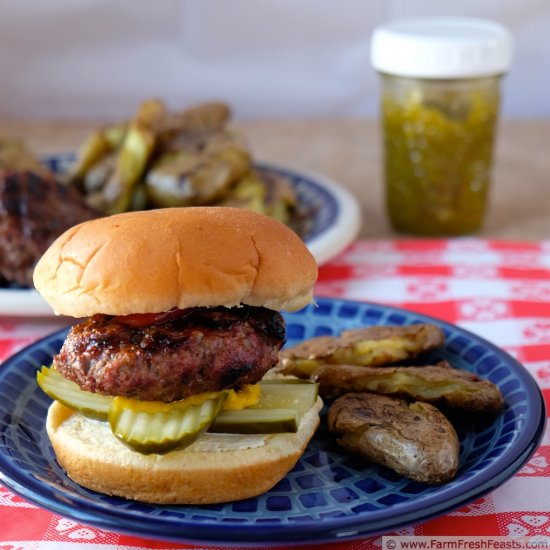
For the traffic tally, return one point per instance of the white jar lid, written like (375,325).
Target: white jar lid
(441,47)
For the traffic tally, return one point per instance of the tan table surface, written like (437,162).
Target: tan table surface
(348,151)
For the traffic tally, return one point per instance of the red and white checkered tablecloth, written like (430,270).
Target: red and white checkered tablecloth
(498,290)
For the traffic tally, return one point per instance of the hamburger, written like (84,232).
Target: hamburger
(164,392)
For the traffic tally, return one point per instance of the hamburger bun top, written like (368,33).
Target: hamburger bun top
(156,260)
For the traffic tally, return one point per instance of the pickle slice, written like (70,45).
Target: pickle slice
(256,421)
(69,394)
(161,431)
(280,407)
(287,394)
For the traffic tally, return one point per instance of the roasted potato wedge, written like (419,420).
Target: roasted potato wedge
(413,439)
(188,179)
(206,117)
(370,346)
(438,384)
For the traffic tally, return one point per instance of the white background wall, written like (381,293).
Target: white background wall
(97,59)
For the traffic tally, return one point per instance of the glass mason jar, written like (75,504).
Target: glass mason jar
(439,108)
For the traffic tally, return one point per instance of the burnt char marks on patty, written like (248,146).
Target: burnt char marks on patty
(206,349)
(34,211)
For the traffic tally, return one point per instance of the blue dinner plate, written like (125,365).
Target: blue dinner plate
(329,495)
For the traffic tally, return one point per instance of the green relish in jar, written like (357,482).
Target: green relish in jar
(440,104)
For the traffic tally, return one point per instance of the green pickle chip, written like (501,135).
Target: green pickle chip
(69,394)
(163,431)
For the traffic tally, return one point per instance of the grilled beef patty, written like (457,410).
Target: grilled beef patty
(203,349)
(34,210)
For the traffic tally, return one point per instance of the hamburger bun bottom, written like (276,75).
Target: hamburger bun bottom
(94,458)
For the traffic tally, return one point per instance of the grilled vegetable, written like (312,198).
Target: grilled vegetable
(186,179)
(95,149)
(135,152)
(415,440)
(262,192)
(206,117)
(371,346)
(185,158)
(248,192)
(438,384)
(281,198)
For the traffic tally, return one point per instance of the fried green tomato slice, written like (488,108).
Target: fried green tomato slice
(370,346)
(413,439)
(439,384)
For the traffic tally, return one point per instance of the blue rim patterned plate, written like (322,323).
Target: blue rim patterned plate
(335,222)
(329,495)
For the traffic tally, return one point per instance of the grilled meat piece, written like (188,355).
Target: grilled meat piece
(34,210)
(204,349)
(370,346)
(413,439)
(439,384)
